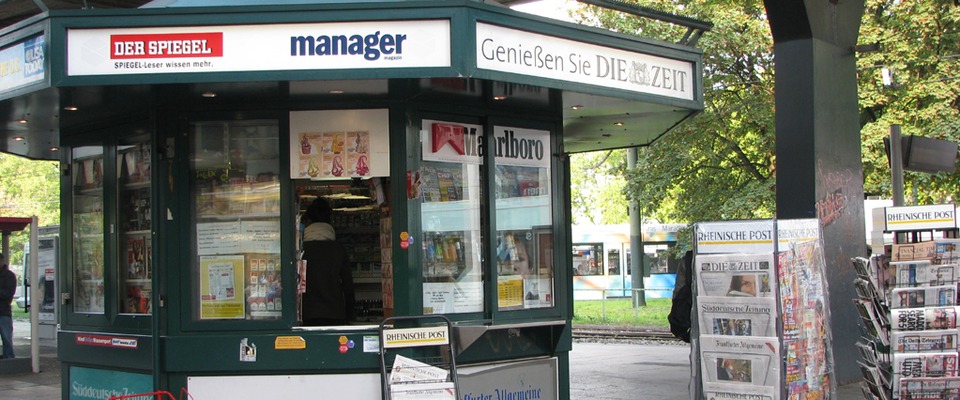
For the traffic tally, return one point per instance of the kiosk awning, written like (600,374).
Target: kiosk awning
(616,90)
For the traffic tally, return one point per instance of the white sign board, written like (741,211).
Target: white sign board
(22,64)
(525,53)
(266,47)
(735,237)
(918,218)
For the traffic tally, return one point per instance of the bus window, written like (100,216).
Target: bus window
(613,262)
(587,259)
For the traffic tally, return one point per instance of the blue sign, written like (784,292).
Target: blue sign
(22,63)
(100,384)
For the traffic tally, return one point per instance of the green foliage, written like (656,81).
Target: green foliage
(719,165)
(28,188)
(597,183)
(920,45)
(621,312)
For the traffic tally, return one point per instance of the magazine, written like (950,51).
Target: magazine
(929,388)
(923,365)
(741,360)
(737,316)
(946,251)
(874,379)
(910,297)
(920,319)
(735,275)
(919,341)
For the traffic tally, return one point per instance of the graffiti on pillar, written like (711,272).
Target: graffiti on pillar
(831,207)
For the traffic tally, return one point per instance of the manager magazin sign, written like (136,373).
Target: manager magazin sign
(267,47)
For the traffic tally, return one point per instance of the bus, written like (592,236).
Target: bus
(601,261)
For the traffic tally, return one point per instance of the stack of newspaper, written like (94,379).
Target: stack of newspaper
(414,379)
(737,311)
(914,293)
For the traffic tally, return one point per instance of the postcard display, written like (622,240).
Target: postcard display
(762,326)
(907,303)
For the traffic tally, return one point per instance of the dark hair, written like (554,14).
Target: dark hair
(319,211)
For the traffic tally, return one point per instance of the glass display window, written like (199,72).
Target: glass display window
(524,218)
(235,192)
(448,185)
(88,230)
(135,226)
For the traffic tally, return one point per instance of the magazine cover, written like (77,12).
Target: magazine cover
(745,316)
(921,341)
(741,360)
(728,391)
(944,295)
(735,275)
(930,388)
(924,365)
(921,319)
(946,251)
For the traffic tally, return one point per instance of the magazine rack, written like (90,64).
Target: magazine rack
(907,300)
(761,326)
(417,358)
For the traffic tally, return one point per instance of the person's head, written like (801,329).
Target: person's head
(319,211)
(745,284)
(3,261)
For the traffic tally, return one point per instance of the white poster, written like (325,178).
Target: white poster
(339,144)
(264,47)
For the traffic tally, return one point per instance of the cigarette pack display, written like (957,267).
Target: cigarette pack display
(735,275)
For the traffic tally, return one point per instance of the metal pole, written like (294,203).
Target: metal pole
(34,295)
(896,165)
(636,240)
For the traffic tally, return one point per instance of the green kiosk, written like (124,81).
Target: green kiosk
(193,135)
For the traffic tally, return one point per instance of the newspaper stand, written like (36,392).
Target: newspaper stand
(426,350)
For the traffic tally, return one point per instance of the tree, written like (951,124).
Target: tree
(720,164)
(919,49)
(29,188)
(597,182)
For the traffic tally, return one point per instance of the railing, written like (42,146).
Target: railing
(633,293)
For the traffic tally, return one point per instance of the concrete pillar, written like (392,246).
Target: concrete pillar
(819,170)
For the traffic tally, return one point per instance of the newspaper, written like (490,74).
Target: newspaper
(727,391)
(910,297)
(923,273)
(874,379)
(424,391)
(921,341)
(923,365)
(735,275)
(741,360)
(921,319)
(913,251)
(929,388)
(407,370)
(744,316)
(946,251)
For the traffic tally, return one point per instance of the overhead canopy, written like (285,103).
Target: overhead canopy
(80,66)
(14,224)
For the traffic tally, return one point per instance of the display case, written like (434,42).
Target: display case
(135,226)
(236,209)
(88,223)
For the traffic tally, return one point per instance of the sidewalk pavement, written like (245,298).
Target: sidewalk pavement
(601,371)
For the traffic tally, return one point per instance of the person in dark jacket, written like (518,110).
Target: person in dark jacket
(329,299)
(679,316)
(8,288)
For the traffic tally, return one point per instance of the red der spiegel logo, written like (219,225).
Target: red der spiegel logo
(170,45)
